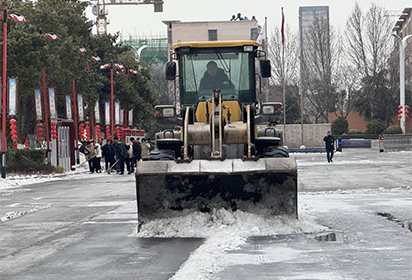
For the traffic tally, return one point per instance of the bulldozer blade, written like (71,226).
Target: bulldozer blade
(167,189)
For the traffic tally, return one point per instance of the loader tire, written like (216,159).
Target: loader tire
(271,152)
(162,155)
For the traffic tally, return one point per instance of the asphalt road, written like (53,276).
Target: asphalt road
(82,229)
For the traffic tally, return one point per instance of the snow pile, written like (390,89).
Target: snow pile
(12,182)
(223,231)
(380,190)
(16,214)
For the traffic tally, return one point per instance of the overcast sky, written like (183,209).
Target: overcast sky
(141,19)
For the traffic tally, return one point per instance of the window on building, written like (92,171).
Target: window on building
(213,35)
(254,33)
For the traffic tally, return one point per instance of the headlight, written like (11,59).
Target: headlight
(268,110)
(272,108)
(248,48)
(165,111)
(168,112)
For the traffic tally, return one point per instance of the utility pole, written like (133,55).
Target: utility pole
(402,42)
(99,10)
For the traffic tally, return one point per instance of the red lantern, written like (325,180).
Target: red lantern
(87,128)
(39,132)
(54,130)
(81,131)
(107,132)
(98,132)
(13,132)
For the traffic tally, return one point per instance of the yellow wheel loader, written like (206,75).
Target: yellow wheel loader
(227,151)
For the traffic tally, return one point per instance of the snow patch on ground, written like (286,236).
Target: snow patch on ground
(17,181)
(380,190)
(16,214)
(223,231)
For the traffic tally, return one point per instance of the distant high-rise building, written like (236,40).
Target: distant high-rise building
(313,26)
(315,61)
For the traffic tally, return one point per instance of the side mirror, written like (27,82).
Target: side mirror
(265,69)
(170,71)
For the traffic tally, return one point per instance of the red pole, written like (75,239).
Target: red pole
(3,135)
(75,115)
(112,101)
(93,134)
(77,156)
(46,115)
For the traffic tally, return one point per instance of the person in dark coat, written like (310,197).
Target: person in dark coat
(108,152)
(215,78)
(121,155)
(137,151)
(329,145)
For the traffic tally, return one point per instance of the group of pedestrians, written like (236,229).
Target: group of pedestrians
(117,154)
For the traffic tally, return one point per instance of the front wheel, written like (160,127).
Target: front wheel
(272,152)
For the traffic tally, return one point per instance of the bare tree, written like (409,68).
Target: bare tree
(290,72)
(316,69)
(291,57)
(160,84)
(343,78)
(369,45)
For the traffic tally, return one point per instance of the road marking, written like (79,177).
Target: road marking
(14,205)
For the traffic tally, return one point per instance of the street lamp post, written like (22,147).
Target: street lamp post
(111,100)
(16,18)
(46,118)
(402,42)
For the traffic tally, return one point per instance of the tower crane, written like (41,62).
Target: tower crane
(99,10)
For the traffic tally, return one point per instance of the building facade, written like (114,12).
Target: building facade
(178,31)
(311,19)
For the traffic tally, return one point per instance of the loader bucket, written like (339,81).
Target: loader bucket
(167,189)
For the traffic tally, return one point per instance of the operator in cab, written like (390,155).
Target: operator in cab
(215,78)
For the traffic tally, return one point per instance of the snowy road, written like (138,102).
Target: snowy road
(354,218)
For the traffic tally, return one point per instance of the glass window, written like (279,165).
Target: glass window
(254,34)
(232,73)
(213,35)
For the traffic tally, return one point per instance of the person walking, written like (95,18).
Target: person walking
(145,150)
(329,145)
(121,155)
(108,152)
(137,151)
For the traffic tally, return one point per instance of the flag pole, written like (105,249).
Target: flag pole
(3,104)
(283,76)
(265,49)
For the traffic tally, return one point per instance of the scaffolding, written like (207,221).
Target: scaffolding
(153,47)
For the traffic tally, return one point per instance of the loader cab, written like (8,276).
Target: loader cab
(235,62)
